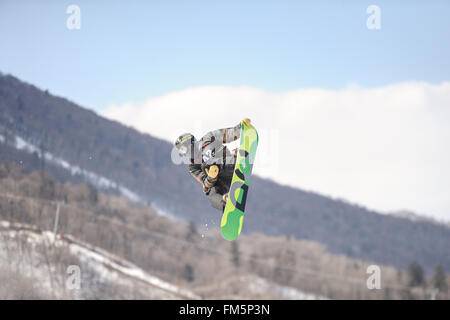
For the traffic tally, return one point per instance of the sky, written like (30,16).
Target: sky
(362,112)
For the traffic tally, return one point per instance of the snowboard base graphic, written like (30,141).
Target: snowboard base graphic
(233,214)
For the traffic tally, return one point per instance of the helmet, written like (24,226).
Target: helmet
(184,142)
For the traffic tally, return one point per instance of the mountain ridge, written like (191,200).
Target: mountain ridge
(141,163)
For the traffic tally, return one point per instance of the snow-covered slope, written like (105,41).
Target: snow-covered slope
(95,179)
(259,285)
(44,260)
(251,286)
(37,255)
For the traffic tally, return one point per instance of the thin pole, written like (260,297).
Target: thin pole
(55,227)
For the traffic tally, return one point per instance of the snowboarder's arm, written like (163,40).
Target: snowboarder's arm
(226,135)
(207,181)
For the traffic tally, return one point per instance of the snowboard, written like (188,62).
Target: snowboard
(233,214)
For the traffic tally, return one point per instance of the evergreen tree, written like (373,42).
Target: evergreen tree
(235,255)
(93,194)
(439,279)
(188,273)
(416,275)
(192,231)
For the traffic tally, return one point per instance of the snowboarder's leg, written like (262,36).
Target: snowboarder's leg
(216,199)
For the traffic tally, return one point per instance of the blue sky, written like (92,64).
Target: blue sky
(132,50)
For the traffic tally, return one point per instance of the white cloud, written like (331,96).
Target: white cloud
(386,148)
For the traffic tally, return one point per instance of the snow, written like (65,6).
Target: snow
(97,180)
(107,266)
(127,268)
(163,212)
(110,268)
(260,285)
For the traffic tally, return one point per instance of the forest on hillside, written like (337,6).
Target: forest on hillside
(196,257)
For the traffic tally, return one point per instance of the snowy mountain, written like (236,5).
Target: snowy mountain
(41,264)
(74,144)
(104,275)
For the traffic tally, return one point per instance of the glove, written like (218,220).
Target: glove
(246,121)
(212,171)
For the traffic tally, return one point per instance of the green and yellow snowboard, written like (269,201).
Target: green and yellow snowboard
(233,215)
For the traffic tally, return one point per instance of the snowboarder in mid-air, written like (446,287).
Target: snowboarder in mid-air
(210,162)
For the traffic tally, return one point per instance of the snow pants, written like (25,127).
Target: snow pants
(216,199)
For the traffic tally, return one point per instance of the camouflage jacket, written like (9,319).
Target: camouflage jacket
(208,145)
